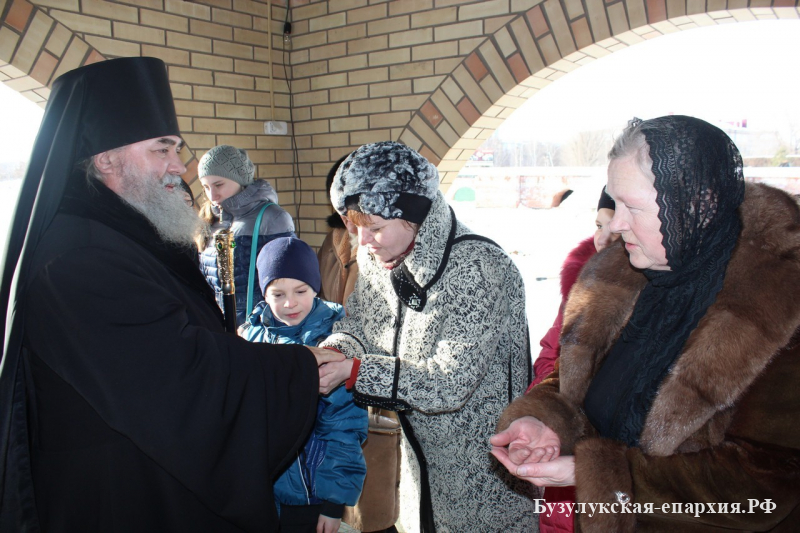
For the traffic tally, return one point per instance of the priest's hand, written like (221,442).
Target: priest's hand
(334,374)
(326,524)
(526,441)
(324,355)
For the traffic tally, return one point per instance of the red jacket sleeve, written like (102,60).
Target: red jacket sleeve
(551,349)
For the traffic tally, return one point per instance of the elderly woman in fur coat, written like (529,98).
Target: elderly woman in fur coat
(561,522)
(436,331)
(676,404)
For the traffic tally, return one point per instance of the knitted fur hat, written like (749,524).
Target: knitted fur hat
(387,179)
(227,162)
(288,257)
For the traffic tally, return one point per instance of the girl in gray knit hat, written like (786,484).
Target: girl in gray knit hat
(436,330)
(236,200)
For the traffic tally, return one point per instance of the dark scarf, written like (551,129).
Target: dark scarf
(699,185)
(97,202)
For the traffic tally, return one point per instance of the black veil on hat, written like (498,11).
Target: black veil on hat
(91,109)
(699,187)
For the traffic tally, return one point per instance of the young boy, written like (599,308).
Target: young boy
(329,471)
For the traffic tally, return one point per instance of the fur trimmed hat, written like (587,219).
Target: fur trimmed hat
(387,179)
(227,162)
(288,257)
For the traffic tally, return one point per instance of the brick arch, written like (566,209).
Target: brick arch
(35,49)
(543,44)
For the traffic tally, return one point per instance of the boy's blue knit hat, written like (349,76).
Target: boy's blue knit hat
(288,257)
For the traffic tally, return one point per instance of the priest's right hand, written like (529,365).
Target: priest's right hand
(324,355)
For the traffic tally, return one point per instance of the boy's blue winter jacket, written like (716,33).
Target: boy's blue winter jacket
(330,469)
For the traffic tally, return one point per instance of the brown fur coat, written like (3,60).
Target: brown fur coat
(725,425)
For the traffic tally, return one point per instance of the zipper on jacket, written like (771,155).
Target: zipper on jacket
(303,480)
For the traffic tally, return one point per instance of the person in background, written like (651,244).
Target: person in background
(237,201)
(675,401)
(328,473)
(577,258)
(124,405)
(337,254)
(436,330)
(187,194)
(379,506)
(561,521)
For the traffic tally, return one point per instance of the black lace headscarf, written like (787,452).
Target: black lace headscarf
(699,185)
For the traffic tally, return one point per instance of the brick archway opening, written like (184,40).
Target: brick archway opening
(526,56)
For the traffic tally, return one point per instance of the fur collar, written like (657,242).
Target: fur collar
(755,314)
(574,263)
(344,245)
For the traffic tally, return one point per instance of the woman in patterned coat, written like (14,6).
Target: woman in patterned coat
(436,331)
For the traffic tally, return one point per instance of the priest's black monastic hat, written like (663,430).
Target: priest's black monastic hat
(124,101)
(91,109)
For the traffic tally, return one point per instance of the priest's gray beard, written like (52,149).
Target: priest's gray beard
(166,209)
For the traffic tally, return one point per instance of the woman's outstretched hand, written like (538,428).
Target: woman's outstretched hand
(530,450)
(559,472)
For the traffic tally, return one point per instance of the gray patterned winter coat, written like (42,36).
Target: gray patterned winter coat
(443,339)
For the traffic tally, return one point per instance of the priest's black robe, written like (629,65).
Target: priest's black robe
(144,415)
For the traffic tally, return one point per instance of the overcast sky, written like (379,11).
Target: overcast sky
(21,119)
(747,70)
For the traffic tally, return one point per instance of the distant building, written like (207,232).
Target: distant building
(545,187)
